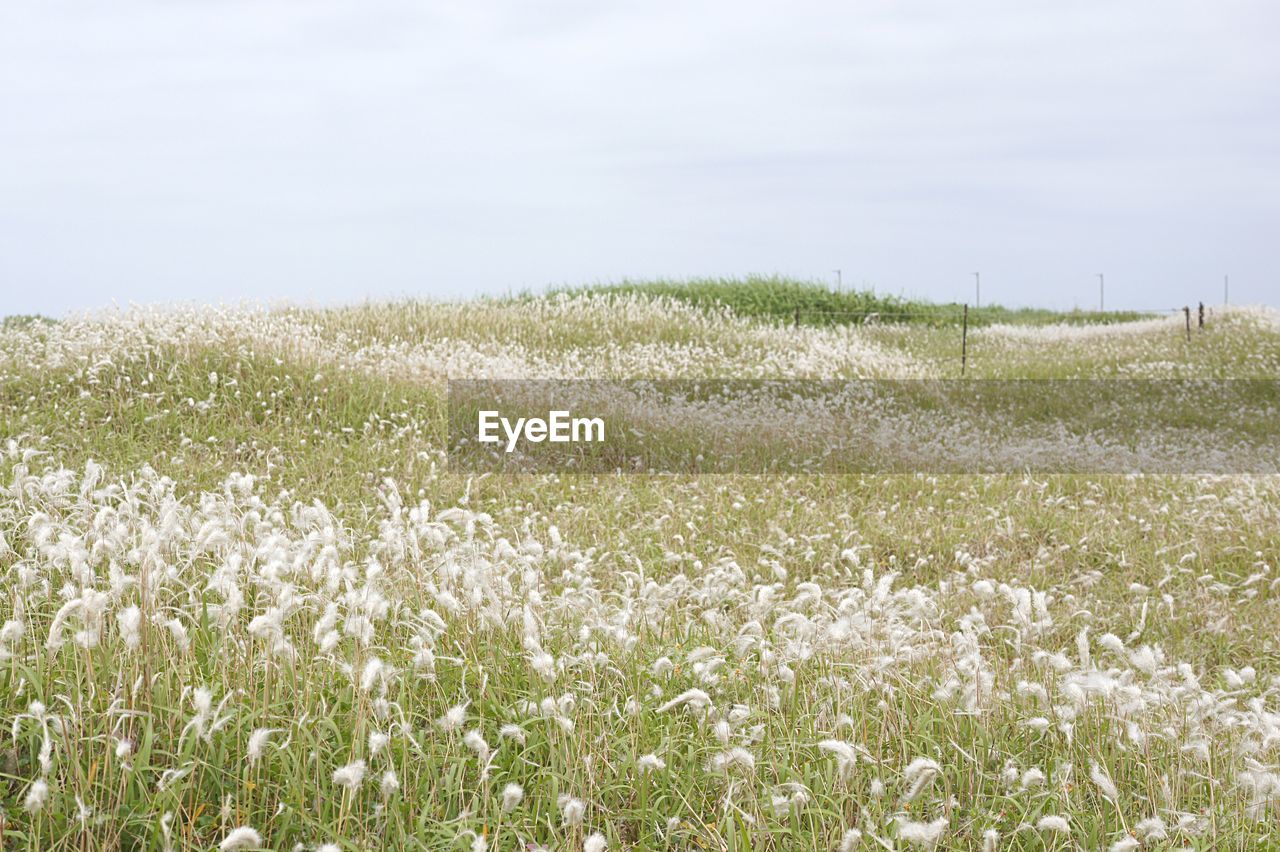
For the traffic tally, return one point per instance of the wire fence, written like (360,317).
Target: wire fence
(958,312)
(960,316)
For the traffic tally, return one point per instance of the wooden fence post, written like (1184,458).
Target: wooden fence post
(797,318)
(964,341)
(1202,316)
(1187,311)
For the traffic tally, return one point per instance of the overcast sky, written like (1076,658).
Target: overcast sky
(215,150)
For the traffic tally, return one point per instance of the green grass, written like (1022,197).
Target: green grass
(779,299)
(325,432)
(613,573)
(16,321)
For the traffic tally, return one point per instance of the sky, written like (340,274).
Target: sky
(328,152)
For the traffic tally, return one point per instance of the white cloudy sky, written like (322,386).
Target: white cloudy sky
(310,149)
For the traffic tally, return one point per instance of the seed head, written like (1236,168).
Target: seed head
(243,837)
(351,775)
(512,795)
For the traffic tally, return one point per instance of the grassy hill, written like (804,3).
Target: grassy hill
(774,297)
(247,597)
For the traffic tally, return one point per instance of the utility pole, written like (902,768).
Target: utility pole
(977,290)
(1226,289)
(1102,293)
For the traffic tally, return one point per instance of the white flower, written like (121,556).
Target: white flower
(1054,823)
(258,741)
(130,622)
(37,795)
(919,774)
(651,763)
(512,732)
(454,719)
(375,672)
(696,699)
(1112,643)
(572,809)
(595,843)
(725,760)
(377,741)
(390,783)
(202,701)
(476,742)
(243,837)
(845,754)
(1151,828)
(1145,659)
(512,795)
(350,776)
(544,664)
(849,842)
(920,766)
(923,834)
(1082,648)
(1105,785)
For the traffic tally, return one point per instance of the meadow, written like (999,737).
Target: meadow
(802,302)
(246,602)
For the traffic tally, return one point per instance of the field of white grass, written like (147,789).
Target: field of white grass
(245,602)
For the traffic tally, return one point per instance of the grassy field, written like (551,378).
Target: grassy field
(245,602)
(779,299)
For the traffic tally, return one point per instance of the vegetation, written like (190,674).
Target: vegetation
(779,299)
(245,602)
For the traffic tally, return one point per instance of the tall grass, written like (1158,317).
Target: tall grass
(234,565)
(778,298)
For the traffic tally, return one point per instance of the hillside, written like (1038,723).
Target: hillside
(812,303)
(244,587)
